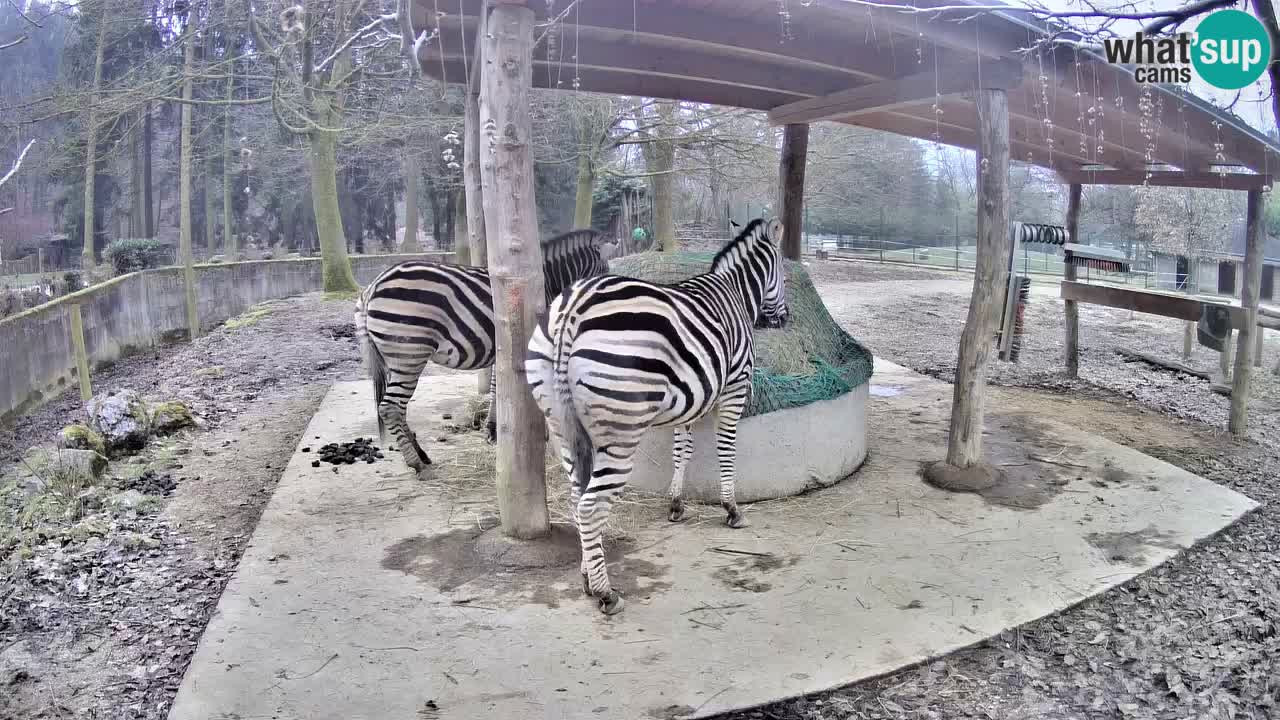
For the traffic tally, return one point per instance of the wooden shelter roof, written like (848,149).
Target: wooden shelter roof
(907,73)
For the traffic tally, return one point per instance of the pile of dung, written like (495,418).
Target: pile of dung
(810,359)
(348,453)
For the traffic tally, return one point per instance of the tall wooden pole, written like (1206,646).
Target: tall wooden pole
(471,169)
(964,446)
(795,148)
(1069,273)
(1249,300)
(185,160)
(515,265)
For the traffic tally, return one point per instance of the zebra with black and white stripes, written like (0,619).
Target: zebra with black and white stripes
(420,311)
(617,356)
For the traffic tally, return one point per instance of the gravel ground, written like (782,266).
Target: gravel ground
(1197,637)
(102,624)
(105,628)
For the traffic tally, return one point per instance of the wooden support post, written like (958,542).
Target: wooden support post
(1224,360)
(515,263)
(471,172)
(1069,274)
(81,353)
(795,148)
(1254,237)
(1258,347)
(964,446)
(40,262)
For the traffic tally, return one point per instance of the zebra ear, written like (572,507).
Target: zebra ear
(735,224)
(775,230)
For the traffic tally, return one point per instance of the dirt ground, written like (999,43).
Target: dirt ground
(1197,637)
(105,628)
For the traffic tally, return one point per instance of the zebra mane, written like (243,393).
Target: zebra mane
(570,243)
(746,241)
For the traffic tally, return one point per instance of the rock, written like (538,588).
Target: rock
(129,500)
(18,663)
(64,467)
(172,416)
(122,420)
(81,437)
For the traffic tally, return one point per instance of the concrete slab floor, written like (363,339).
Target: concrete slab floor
(359,598)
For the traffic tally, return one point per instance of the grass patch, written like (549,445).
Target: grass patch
(251,317)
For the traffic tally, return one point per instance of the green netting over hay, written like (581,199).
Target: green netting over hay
(811,359)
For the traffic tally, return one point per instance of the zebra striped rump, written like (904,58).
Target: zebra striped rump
(419,312)
(616,356)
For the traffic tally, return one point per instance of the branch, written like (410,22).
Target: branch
(19,41)
(357,35)
(245,101)
(1161,18)
(23,14)
(16,163)
(1267,13)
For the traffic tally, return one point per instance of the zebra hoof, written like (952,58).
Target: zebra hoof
(491,434)
(611,603)
(736,520)
(678,513)
(586,585)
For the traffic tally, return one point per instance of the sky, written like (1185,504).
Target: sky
(1254,106)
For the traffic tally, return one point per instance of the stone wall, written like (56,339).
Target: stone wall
(143,309)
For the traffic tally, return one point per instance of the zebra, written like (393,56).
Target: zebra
(419,311)
(616,356)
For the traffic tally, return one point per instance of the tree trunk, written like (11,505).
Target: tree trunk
(410,242)
(1069,273)
(1255,239)
(964,446)
(461,246)
(336,266)
(436,233)
(136,207)
(586,183)
(228,224)
(91,148)
(663,153)
(1188,339)
(515,266)
(210,220)
(795,148)
(149,210)
(185,161)
(451,216)
(474,195)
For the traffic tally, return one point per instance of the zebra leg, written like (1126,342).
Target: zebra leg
(393,410)
(730,412)
(681,450)
(608,476)
(491,423)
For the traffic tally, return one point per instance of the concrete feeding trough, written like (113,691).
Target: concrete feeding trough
(785,452)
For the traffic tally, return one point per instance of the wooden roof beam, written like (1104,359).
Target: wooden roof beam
(672,24)
(1167,178)
(924,87)
(654,56)
(621,81)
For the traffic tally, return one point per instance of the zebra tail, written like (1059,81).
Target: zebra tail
(571,429)
(374,363)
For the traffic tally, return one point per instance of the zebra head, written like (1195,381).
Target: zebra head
(755,257)
(773,310)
